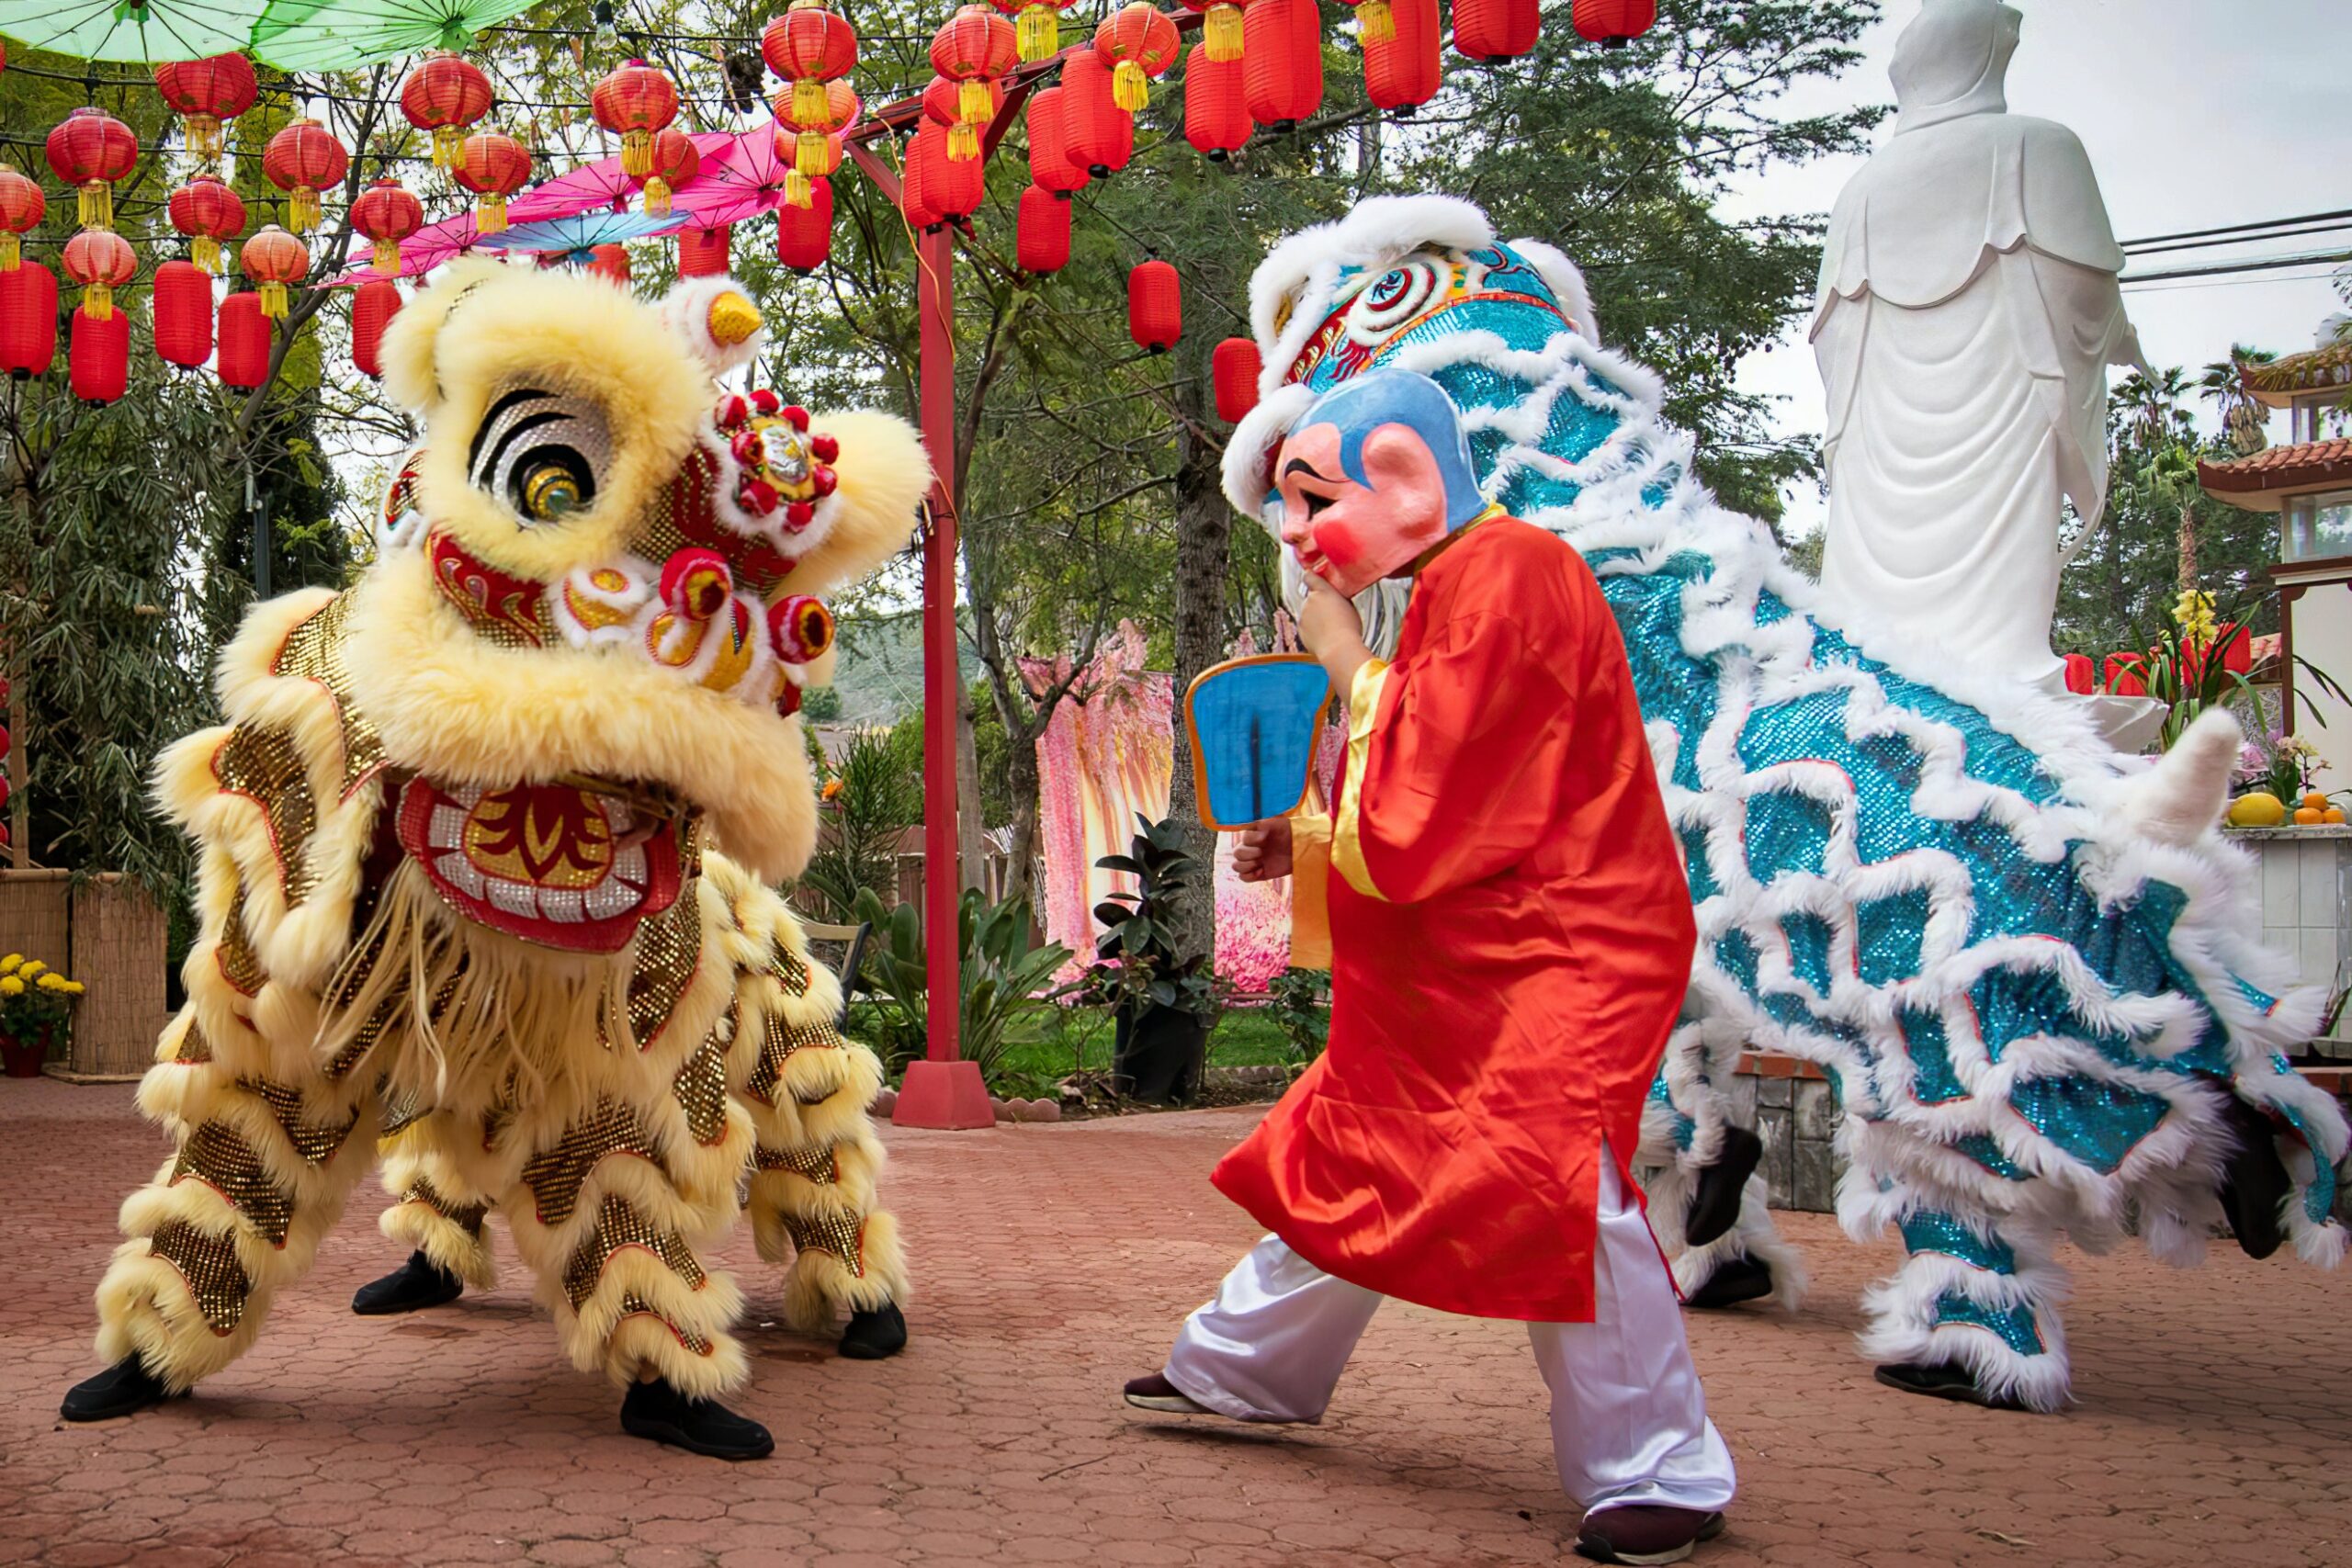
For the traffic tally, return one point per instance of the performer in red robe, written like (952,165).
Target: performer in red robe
(1511,937)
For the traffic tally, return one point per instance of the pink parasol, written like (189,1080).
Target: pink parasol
(585,189)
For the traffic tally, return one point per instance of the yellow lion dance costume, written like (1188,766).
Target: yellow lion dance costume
(486,847)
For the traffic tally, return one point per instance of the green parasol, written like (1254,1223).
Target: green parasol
(150,33)
(338,35)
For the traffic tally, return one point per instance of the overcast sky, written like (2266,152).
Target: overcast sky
(2196,113)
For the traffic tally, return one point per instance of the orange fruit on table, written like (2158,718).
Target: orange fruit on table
(2308,816)
(2333,816)
(2316,800)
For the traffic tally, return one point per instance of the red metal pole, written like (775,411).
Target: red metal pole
(936,290)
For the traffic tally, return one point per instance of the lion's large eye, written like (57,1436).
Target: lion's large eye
(1393,298)
(540,452)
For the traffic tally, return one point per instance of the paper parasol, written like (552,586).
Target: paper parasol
(337,35)
(577,236)
(159,32)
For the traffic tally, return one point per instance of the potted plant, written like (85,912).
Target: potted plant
(35,1002)
(1007,981)
(1164,1002)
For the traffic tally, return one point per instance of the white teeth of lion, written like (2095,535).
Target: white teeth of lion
(619,816)
(447,826)
(565,905)
(629,866)
(608,899)
(461,874)
(514,897)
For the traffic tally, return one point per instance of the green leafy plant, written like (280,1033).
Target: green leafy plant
(1302,1009)
(1007,982)
(1138,967)
(866,801)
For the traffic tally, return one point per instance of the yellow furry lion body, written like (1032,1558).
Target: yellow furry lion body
(485,886)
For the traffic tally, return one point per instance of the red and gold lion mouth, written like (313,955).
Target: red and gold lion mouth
(575,866)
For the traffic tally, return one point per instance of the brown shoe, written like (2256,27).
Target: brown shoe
(1644,1533)
(1156,1392)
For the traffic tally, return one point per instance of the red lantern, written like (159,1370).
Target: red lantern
(1403,69)
(1282,64)
(243,359)
(1036,26)
(1137,42)
(945,101)
(28,320)
(1216,111)
(611,264)
(632,102)
(90,150)
(675,161)
(22,206)
(303,160)
(954,186)
(207,211)
(918,202)
(1043,233)
(1100,134)
(387,214)
(702,253)
(1496,30)
(1613,24)
(494,166)
(373,305)
(816,147)
(444,96)
(1234,368)
(1050,164)
(973,49)
(1220,32)
(1155,306)
(204,93)
(808,46)
(183,311)
(804,235)
(273,259)
(101,262)
(100,356)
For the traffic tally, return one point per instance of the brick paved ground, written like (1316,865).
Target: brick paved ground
(2215,1419)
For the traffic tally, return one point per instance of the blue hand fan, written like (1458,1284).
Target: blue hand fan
(1253,724)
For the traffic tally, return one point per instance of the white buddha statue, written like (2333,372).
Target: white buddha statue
(1967,313)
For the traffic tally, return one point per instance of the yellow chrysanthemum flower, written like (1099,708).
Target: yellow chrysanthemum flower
(50,982)
(74,987)
(11,987)
(33,970)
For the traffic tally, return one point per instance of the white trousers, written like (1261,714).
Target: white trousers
(1629,1420)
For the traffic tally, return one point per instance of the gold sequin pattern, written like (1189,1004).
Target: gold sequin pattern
(634,1306)
(701,1085)
(217,1157)
(194,1049)
(669,951)
(819,1163)
(836,1233)
(349,981)
(619,1226)
(262,765)
(316,1142)
(467,1217)
(240,966)
(314,651)
(208,1264)
(555,1174)
(791,973)
(782,1041)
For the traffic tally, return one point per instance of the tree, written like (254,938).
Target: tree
(2223,384)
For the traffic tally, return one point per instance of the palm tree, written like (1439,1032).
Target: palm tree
(2224,385)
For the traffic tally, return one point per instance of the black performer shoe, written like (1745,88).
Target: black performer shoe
(2254,1183)
(1644,1533)
(874,1335)
(1941,1382)
(661,1413)
(1714,1206)
(124,1389)
(1156,1392)
(416,1284)
(1740,1279)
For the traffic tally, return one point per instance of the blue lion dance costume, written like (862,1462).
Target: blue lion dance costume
(2027,966)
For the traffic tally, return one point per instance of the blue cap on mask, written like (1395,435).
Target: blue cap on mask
(1364,403)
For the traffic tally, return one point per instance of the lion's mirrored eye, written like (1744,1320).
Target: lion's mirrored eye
(1395,299)
(540,452)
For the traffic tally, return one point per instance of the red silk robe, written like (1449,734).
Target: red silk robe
(1511,936)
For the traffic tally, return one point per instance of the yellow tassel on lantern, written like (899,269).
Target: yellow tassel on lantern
(490,214)
(12,251)
(1221,33)
(303,209)
(273,300)
(448,143)
(963,141)
(808,151)
(800,190)
(388,258)
(974,101)
(204,136)
(1038,31)
(1129,89)
(636,153)
(657,198)
(97,300)
(809,104)
(205,252)
(96,205)
(1374,24)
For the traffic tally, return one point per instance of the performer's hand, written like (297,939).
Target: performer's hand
(1333,632)
(1264,854)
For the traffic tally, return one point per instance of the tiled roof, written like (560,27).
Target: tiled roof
(2280,468)
(2312,370)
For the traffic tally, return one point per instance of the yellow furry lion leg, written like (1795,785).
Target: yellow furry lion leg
(440,1196)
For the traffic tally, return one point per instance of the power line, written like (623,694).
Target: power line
(2243,239)
(2265,265)
(2234,229)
